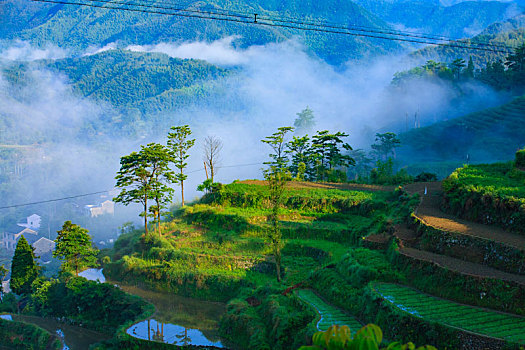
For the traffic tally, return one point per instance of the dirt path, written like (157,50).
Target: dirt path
(461,266)
(429,211)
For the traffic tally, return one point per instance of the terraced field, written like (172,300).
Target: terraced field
(330,315)
(472,134)
(476,320)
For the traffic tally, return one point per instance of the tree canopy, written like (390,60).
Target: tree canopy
(24,269)
(73,245)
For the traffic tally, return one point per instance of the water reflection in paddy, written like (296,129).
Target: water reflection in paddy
(178,320)
(170,333)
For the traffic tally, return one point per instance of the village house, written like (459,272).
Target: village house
(11,236)
(44,248)
(32,222)
(106,207)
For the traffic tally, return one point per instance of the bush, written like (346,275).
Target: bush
(520,158)
(20,335)
(425,177)
(98,306)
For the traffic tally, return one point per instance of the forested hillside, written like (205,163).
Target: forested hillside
(134,83)
(81,27)
(430,16)
(510,32)
(492,134)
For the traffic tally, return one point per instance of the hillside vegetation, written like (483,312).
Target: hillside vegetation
(428,16)
(488,193)
(218,249)
(492,134)
(510,33)
(80,27)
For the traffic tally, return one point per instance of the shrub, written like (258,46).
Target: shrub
(520,158)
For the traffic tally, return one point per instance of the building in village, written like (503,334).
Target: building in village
(11,236)
(44,249)
(32,222)
(106,207)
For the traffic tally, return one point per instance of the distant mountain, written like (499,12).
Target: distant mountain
(81,27)
(510,32)
(460,20)
(138,86)
(490,135)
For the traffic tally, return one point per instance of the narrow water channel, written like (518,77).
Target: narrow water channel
(75,338)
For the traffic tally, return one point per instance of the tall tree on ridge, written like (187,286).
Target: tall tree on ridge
(278,143)
(24,269)
(157,158)
(179,144)
(136,183)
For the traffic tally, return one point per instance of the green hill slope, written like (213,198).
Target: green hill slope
(510,32)
(491,134)
(456,21)
(81,27)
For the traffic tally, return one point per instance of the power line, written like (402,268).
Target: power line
(320,22)
(246,19)
(54,200)
(106,191)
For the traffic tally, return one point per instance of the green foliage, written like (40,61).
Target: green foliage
(305,121)
(473,134)
(3,273)
(179,145)
(277,141)
(24,269)
(367,338)
(273,321)
(478,250)
(425,177)
(157,158)
(383,174)
(431,309)
(362,265)
(310,200)
(490,293)
(242,324)
(98,306)
(488,193)
(520,158)
(386,145)
(73,27)
(9,303)
(277,179)
(24,336)
(329,315)
(74,246)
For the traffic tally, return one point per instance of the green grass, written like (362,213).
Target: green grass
(499,179)
(481,321)
(329,315)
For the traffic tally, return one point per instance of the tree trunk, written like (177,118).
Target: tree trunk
(146,214)
(278,265)
(182,187)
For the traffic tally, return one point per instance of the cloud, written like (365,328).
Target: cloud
(268,85)
(23,51)
(219,52)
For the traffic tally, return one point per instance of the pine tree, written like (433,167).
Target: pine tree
(24,269)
